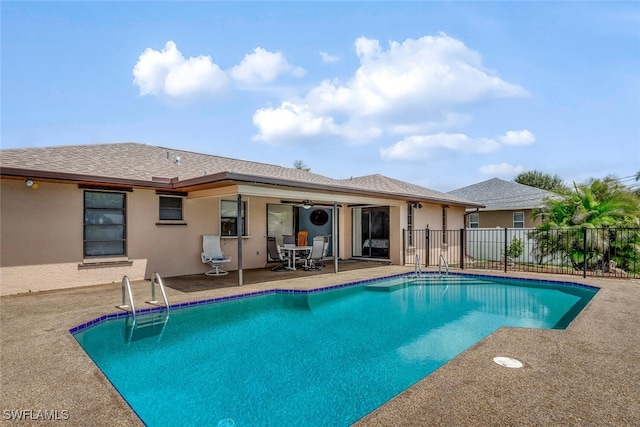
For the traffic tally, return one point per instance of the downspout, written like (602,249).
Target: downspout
(467,215)
(239,232)
(464,243)
(334,237)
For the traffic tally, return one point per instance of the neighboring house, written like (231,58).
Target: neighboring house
(506,204)
(83,215)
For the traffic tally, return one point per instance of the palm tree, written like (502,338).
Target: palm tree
(578,226)
(299,164)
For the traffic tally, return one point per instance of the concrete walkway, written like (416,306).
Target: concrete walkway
(586,375)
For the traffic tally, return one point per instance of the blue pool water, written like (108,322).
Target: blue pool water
(319,358)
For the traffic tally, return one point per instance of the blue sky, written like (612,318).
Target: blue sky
(440,94)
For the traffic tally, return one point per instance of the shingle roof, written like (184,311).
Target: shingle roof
(497,194)
(141,162)
(390,185)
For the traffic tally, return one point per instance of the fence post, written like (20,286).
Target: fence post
(505,248)
(584,252)
(404,247)
(463,242)
(426,233)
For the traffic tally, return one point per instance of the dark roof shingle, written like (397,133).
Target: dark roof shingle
(142,162)
(497,194)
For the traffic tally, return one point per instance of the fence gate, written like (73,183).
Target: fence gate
(429,245)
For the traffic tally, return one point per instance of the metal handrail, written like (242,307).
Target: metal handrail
(417,268)
(443,260)
(126,283)
(155,278)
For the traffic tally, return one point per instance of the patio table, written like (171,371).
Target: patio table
(292,250)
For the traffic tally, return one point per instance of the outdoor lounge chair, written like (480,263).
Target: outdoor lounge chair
(212,254)
(275,254)
(315,255)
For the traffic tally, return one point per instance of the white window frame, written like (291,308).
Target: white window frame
(518,223)
(474,220)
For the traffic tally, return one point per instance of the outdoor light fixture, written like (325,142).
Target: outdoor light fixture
(31,184)
(416,205)
(307,204)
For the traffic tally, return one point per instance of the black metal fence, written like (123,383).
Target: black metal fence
(608,252)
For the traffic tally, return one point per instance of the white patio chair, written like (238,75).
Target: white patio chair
(312,262)
(212,254)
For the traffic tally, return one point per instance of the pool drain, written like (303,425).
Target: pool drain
(508,362)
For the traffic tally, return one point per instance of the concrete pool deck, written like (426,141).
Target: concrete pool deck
(586,375)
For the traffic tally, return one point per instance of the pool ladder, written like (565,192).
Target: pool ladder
(151,320)
(442,261)
(417,269)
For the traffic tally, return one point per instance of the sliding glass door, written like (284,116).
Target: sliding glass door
(280,221)
(371,232)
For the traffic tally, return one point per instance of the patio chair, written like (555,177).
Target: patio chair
(289,239)
(302,238)
(275,254)
(325,250)
(212,254)
(312,262)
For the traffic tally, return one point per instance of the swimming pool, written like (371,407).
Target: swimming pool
(313,358)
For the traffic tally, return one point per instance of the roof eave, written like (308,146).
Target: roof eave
(174,184)
(83,178)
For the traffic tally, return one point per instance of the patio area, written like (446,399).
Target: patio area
(200,282)
(585,375)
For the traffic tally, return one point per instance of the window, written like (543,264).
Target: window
(104,224)
(229,218)
(518,220)
(170,208)
(474,220)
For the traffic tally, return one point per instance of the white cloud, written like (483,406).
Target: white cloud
(501,169)
(290,120)
(518,137)
(168,73)
(294,120)
(263,66)
(415,80)
(328,58)
(426,146)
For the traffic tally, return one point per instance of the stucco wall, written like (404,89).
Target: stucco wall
(504,219)
(42,226)
(41,239)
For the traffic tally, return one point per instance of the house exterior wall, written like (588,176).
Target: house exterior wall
(41,239)
(504,219)
(41,244)
(42,226)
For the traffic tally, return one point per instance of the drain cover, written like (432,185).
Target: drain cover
(508,362)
